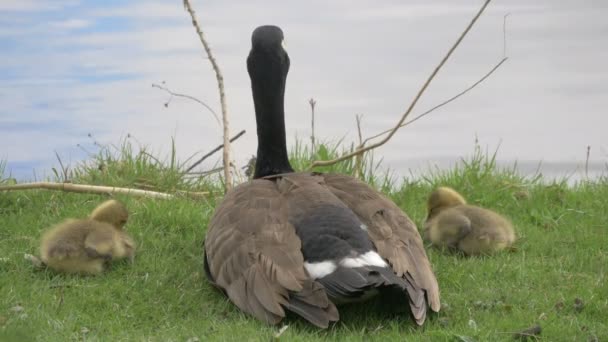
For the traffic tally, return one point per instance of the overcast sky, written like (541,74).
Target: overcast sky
(69,68)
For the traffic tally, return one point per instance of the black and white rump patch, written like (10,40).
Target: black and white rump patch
(339,254)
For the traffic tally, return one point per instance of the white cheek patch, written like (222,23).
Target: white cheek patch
(320,269)
(363,226)
(370,258)
(283,45)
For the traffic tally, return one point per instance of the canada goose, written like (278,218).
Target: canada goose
(87,245)
(452,223)
(307,241)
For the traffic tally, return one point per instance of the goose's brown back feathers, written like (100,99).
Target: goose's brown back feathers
(253,252)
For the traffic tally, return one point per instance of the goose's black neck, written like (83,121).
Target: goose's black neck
(268,64)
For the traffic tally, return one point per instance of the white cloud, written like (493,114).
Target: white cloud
(71,24)
(143,10)
(34,5)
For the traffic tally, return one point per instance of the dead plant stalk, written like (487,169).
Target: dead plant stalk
(220,86)
(84,188)
(362,149)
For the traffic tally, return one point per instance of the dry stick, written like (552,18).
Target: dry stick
(193,194)
(411,107)
(236,171)
(359,156)
(504,59)
(208,172)
(587,162)
(312,103)
(281,331)
(488,74)
(190,98)
(83,188)
(187,193)
(213,151)
(220,86)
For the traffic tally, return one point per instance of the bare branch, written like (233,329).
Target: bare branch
(504,59)
(358,118)
(83,188)
(213,151)
(360,155)
(205,173)
(98,189)
(587,162)
(220,86)
(193,194)
(444,102)
(312,103)
(208,172)
(413,103)
(281,331)
(172,93)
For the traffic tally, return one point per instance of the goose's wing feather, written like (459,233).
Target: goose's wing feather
(253,254)
(394,235)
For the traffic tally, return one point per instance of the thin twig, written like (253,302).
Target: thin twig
(213,151)
(587,162)
(220,86)
(236,172)
(193,194)
(312,103)
(488,74)
(281,331)
(359,156)
(416,98)
(172,93)
(184,193)
(358,118)
(83,188)
(208,172)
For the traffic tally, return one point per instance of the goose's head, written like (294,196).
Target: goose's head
(268,65)
(268,56)
(268,37)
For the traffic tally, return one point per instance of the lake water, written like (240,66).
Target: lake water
(68,69)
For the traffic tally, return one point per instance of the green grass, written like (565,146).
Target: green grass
(561,255)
